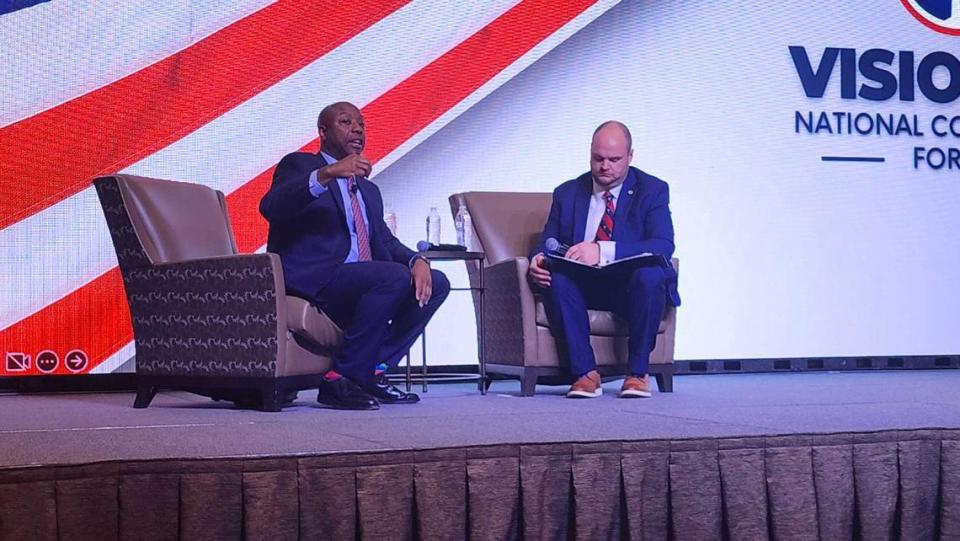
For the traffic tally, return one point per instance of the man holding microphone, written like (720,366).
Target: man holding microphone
(612,212)
(326,224)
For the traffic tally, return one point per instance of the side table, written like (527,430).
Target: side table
(481,358)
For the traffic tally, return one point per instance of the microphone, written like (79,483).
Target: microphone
(424,246)
(556,246)
(354,184)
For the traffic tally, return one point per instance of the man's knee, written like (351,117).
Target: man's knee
(647,279)
(440,285)
(395,277)
(560,285)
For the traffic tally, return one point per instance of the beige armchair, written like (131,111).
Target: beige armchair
(205,318)
(517,338)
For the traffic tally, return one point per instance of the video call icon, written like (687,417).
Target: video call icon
(17,362)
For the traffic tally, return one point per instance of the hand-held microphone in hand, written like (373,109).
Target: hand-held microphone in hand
(555,246)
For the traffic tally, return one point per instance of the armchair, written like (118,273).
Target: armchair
(207,319)
(517,338)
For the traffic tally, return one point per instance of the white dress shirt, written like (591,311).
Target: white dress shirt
(598,205)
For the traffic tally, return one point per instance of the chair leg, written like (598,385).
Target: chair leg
(270,397)
(665,379)
(528,382)
(145,394)
(486,383)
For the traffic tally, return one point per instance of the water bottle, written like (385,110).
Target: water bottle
(468,231)
(464,225)
(391,219)
(458,224)
(433,226)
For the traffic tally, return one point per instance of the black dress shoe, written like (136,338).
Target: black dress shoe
(289,397)
(343,394)
(388,394)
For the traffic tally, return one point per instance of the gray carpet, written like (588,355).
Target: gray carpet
(83,428)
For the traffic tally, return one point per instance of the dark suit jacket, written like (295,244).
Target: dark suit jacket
(310,233)
(642,220)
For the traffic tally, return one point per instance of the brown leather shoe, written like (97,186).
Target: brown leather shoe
(635,387)
(587,386)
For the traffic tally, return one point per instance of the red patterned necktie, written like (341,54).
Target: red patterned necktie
(605,230)
(363,241)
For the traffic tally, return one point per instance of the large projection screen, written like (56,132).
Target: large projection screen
(812,149)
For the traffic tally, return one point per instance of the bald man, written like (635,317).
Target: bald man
(613,212)
(326,224)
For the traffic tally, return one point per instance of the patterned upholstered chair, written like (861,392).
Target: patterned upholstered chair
(517,338)
(205,318)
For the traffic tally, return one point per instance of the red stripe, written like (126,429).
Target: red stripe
(54,154)
(94,319)
(416,102)
(396,116)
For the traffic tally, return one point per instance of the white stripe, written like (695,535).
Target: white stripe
(60,50)
(116,360)
(45,256)
(562,34)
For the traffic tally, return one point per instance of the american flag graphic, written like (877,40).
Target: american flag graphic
(214,92)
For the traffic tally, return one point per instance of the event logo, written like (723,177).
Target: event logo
(879,75)
(940,15)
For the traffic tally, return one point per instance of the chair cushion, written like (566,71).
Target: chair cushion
(508,225)
(307,321)
(602,323)
(177,221)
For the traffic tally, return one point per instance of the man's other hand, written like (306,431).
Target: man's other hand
(422,281)
(585,252)
(538,272)
(351,165)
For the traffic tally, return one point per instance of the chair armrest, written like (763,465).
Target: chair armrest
(212,316)
(510,326)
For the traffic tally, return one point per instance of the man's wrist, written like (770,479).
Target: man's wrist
(324,176)
(607,250)
(419,257)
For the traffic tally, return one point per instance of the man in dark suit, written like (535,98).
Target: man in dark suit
(613,212)
(326,223)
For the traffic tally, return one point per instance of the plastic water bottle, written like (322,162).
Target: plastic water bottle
(464,225)
(391,219)
(458,224)
(433,226)
(468,231)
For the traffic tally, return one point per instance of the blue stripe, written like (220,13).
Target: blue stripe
(9,6)
(852,159)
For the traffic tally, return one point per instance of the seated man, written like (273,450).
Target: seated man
(612,212)
(326,223)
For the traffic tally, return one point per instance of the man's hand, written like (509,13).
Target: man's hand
(538,272)
(585,252)
(351,165)
(422,281)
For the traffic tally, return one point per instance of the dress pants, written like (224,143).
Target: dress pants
(373,303)
(639,297)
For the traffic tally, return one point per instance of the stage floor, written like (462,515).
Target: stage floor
(84,428)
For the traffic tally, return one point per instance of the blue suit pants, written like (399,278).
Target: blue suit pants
(639,297)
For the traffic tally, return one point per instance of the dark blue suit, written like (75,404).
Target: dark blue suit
(642,223)
(373,302)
